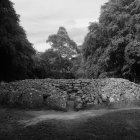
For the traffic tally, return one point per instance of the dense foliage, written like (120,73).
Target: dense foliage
(15,49)
(50,64)
(110,49)
(62,43)
(112,46)
(61,54)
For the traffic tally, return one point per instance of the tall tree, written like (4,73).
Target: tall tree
(63,45)
(111,47)
(15,49)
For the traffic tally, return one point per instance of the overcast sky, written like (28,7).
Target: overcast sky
(41,18)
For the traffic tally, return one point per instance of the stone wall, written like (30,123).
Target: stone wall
(55,94)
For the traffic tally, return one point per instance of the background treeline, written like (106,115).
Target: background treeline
(110,49)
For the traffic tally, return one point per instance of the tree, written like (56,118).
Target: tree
(49,65)
(111,46)
(63,45)
(15,49)
(132,57)
(41,68)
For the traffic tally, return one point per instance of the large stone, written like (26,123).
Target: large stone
(58,100)
(78,104)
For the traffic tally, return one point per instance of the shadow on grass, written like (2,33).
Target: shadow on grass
(120,125)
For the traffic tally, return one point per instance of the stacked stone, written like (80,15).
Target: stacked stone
(55,93)
(86,92)
(115,90)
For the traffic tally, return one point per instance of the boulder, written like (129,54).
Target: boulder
(57,100)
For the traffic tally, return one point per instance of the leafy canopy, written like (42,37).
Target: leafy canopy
(111,47)
(61,43)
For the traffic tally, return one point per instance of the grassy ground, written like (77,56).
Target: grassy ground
(90,125)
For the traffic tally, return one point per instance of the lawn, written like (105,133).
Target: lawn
(103,124)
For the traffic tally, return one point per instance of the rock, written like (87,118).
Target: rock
(100,101)
(95,101)
(78,99)
(84,96)
(57,101)
(78,104)
(87,99)
(79,92)
(54,93)
(111,100)
(104,97)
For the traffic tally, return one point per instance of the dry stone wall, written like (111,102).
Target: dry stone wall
(56,94)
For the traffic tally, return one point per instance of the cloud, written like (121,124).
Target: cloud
(43,18)
(78,34)
(41,47)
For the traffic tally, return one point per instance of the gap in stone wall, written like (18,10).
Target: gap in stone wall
(70,105)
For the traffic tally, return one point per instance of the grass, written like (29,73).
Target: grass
(118,125)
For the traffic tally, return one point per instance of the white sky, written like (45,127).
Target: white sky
(41,18)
